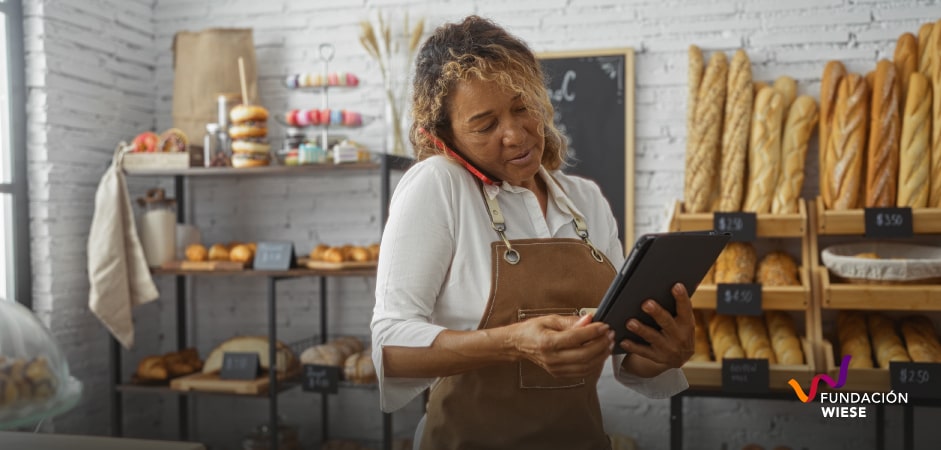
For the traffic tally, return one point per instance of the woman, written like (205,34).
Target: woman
(489,253)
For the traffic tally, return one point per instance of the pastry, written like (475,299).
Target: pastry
(764,151)
(334,255)
(833,74)
(218,252)
(249,135)
(360,254)
(173,140)
(738,112)
(704,140)
(241,253)
(152,368)
(800,123)
(736,263)
(843,171)
(317,253)
(886,344)
(284,360)
(778,269)
(882,161)
(914,157)
(906,61)
(196,252)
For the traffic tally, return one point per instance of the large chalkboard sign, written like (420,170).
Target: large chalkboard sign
(593,95)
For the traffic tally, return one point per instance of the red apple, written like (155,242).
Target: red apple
(145,142)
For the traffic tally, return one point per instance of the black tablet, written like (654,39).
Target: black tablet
(654,265)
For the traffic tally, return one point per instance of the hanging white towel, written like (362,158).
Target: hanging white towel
(117,269)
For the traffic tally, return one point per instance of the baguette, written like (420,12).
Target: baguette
(754,338)
(725,343)
(800,123)
(882,162)
(764,153)
(921,339)
(854,339)
(914,157)
(702,149)
(700,339)
(885,343)
(833,74)
(906,61)
(784,339)
(934,189)
(925,55)
(787,86)
(694,77)
(847,143)
(738,112)
(759,85)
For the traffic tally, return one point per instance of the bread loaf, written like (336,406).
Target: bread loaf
(736,263)
(914,157)
(778,269)
(754,338)
(885,343)
(787,87)
(285,360)
(700,339)
(847,147)
(925,54)
(882,162)
(833,74)
(725,343)
(854,339)
(738,112)
(934,190)
(324,355)
(800,123)
(921,338)
(906,61)
(702,149)
(758,86)
(764,151)
(359,368)
(694,77)
(784,339)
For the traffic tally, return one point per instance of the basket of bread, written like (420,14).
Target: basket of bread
(348,353)
(347,256)
(884,263)
(234,255)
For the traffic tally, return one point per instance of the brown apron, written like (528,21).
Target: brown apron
(520,405)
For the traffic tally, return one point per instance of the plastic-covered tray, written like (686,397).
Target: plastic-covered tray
(884,262)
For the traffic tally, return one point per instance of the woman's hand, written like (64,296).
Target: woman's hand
(672,346)
(565,346)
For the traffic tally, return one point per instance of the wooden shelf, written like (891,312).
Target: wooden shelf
(861,380)
(895,297)
(256,171)
(709,374)
(166,390)
(292,273)
(768,225)
(852,222)
(775,298)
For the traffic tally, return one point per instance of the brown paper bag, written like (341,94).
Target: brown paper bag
(205,65)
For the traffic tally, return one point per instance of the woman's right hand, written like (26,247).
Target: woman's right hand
(565,346)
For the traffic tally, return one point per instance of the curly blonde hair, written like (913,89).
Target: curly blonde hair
(477,47)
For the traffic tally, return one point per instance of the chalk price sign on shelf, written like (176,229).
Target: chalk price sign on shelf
(742,225)
(748,376)
(889,222)
(323,379)
(274,255)
(239,366)
(921,380)
(738,299)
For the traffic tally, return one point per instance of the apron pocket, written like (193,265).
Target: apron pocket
(535,377)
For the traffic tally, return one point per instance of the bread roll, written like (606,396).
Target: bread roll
(854,339)
(921,338)
(334,255)
(218,252)
(241,253)
(360,254)
(738,112)
(725,343)
(196,252)
(833,74)
(736,263)
(754,338)
(764,151)
(847,147)
(787,87)
(906,61)
(784,339)
(152,368)
(778,269)
(702,149)
(317,253)
(914,156)
(886,344)
(882,162)
(800,123)
(694,79)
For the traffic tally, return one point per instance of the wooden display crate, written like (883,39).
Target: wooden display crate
(709,374)
(768,225)
(862,380)
(851,221)
(901,297)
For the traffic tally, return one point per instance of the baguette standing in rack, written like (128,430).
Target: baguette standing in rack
(843,171)
(882,162)
(801,119)
(787,86)
(906,61)
(914,157)
(738,112)
(925,56)
(702,149)
(694,79)
(833,74)
(934,46)
(764,151)
(759,85)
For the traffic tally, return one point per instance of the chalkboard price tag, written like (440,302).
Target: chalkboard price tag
(920,380)
(742,225)
(275,255)
(239,366)
(738,299)
(323,379)
(748,376)
(889,222)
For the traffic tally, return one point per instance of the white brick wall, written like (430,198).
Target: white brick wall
(100,71)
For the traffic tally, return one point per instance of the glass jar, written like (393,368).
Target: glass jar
(157,226)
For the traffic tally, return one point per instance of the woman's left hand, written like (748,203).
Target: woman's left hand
(672,345)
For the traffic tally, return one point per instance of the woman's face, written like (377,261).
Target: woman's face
(495,131)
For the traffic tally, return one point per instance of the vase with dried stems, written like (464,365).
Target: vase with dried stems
(394,50)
